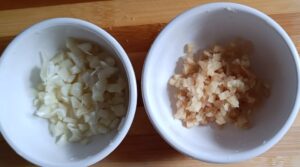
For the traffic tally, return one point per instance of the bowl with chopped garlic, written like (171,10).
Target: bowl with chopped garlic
(228,86)
(68,93)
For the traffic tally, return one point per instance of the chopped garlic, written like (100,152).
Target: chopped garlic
(78,96)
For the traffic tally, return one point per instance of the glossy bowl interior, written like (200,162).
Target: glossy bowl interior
(275,60)
(20,65)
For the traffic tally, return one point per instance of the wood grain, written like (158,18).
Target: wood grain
(122,13)
(135,24)
(17,4)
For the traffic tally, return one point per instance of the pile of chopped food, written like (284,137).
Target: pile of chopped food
(217,86)
(83,92)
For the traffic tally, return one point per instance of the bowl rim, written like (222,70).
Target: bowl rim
(247,154)
(132,100)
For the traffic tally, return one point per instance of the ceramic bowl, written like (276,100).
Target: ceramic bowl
(275,60)
(27,134)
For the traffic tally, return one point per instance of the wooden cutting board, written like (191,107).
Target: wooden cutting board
(135,24)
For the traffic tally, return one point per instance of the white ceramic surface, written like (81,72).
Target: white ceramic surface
(275,59)
(27,134)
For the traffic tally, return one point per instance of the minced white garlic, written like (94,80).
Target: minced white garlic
(83,92)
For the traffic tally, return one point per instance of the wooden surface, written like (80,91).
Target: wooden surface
(135,24)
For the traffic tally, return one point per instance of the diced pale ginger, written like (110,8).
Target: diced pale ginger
(211,86)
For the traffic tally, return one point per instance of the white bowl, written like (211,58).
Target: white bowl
(27,134)
(275,59)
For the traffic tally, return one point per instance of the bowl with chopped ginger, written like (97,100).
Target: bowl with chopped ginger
(221,83)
